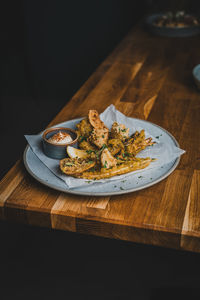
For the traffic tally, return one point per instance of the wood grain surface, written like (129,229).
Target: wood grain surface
(147,77)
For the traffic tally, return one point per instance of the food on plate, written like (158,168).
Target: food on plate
(122,168)
(99,133)
(103,153)
(84,128)
(94,119)
(61,138)
(86,145)
(115,146)
(119,131)
(137,142)
(107,160)
(99,136)
(73,166)
(178,19)
(92,132)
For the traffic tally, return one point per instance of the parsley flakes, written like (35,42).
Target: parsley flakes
(105,165)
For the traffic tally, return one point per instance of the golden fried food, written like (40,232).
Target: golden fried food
(119,131)
(115,146)
(99,136)
(92,131)
(74,166)
(105,154)
(107,160)
(94,119)
(137,143)
(86,145)
(124,168)
(84,128)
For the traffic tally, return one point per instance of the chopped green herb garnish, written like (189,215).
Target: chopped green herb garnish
(121,188)
(89,151)
(157,137)
(105,165)
(140,176)
(127,154)
(82,138)
(103,136)
(103,147)
(90,162)
(124,130)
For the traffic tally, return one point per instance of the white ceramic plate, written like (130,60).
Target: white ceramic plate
(146,179)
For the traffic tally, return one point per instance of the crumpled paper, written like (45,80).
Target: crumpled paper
(162,151)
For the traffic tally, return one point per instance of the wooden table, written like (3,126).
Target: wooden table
(146,77)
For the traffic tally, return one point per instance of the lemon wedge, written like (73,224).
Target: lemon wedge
(76,153)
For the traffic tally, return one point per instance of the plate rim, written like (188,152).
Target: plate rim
(121,192)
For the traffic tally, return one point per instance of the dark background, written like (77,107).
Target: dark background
(48,50)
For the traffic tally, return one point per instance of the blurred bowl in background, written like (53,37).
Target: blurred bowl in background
(196,75)
(169,31)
